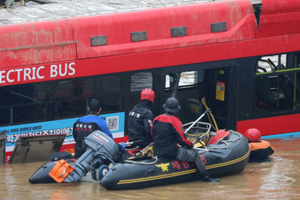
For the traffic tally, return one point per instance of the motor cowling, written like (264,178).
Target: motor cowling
(102,144)
(100,147)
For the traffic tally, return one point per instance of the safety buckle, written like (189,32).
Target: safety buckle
(61,170)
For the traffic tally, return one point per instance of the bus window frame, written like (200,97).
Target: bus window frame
(293,68)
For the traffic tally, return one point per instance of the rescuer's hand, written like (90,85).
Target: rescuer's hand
(123,145)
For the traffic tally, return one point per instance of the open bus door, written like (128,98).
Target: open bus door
(208,88)
(217,96)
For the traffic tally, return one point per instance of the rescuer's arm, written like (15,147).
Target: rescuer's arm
(181,139)
(147,120)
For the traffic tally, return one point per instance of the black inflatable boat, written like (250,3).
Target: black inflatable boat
(227,156)
(101,150)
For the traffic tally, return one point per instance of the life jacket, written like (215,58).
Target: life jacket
(260,151)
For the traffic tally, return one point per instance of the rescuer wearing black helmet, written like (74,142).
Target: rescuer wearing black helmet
(140,120)
(167,131)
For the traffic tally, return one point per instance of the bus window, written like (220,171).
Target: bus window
(111,97)
(277,84)
(23,103)
(168,81)
(140,81)
(186,78)
(190,78)
(111,84)
(68,98)
(111,103)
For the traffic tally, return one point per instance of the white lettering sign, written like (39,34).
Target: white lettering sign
(28,74)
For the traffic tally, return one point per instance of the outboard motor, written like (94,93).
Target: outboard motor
(100,148)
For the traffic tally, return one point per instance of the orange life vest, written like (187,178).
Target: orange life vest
(260,151)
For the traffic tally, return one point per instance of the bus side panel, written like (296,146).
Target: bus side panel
(271,125)
(151,60)
(40,42)
(196,19)
(279,18)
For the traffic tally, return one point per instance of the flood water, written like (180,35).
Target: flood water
(278,179)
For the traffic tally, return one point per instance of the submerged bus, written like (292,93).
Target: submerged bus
(240,58)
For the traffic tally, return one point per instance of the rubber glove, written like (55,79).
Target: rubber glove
(123,145)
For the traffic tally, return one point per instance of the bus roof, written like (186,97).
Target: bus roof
(43,10)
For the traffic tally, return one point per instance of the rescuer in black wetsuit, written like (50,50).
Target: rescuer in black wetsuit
(140,120)
(89,123)
(260,149)
(167,132)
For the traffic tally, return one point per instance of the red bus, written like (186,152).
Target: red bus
(241,57)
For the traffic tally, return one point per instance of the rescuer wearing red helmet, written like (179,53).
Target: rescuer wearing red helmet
(260,149)
(140,120)
(253,135)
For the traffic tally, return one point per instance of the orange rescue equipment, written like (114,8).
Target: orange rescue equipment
(61,170)
(260,151)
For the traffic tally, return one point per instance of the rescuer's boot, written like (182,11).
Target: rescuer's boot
(206,178)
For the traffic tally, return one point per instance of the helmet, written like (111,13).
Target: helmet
(171,105)
(148,94)
(253,134)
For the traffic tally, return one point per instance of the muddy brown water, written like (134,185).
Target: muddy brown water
(278,179)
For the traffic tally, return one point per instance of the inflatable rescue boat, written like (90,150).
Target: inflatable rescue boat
(229,155)
(101,150)
(225,154)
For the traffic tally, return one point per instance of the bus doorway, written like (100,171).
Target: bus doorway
(216,94)
(203,89)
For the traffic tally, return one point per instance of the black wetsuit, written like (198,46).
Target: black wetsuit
(139,123)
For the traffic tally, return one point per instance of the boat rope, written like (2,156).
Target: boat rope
(224,142)
(236,139)
(142,163)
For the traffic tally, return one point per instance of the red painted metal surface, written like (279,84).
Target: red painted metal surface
(56,50)
(197,18)
(34,43)
(271,125)
(152,59)
(45,42)
(279,18)
(50,50)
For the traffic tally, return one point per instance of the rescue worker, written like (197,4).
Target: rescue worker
(167,131)
(260,149)
(140,120)
(89,123)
